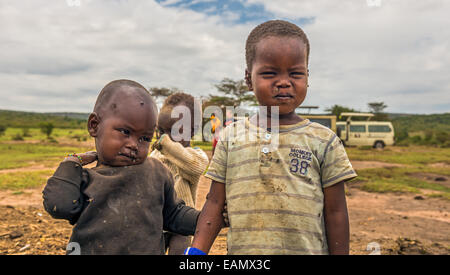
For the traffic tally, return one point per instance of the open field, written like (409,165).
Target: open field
(400,201)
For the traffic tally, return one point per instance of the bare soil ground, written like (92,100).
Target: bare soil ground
(394,223)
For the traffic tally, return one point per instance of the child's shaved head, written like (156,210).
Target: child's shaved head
(111,95)
(272,28)
(123,123)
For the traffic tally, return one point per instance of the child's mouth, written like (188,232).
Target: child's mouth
(283,96)
(132,157)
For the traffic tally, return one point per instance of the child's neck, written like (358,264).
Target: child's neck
(289,119)
(283,119)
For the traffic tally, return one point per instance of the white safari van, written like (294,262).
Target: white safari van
(365,133)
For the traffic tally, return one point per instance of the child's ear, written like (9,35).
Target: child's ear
(93,122)
(248,80)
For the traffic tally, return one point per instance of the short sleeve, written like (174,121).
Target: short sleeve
(217,169)
(335,166)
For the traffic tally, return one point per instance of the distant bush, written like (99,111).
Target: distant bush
(17,137)
(437,138)
(442,137)
(401,135)
(2,129)
(79,137)
(52,140)
(416,139)
(26,132)
(428,135)
(46,128)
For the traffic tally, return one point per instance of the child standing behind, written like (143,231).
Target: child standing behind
(185,163)
(282,199)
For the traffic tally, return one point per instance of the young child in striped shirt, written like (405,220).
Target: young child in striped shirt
(185,163)
(284,186)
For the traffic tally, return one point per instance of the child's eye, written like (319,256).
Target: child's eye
(268,74)
(146,139)
(124,131)
(297,74)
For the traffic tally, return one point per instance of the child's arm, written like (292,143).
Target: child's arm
(336,219)
(177,217)
(62,194)
(210,220)
(190,161)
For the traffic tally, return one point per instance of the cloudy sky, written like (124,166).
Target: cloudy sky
(57,55)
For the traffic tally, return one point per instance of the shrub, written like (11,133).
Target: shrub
(428,135)
(416,139)
(401,135)
(17,137)
(442,137)
(26,132)
(46,128)
(446,144)
(52,140)
(2,129)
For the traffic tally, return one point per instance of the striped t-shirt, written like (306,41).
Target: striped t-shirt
(274,185)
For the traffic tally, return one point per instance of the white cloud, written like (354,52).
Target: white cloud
(396,53)
(56,57)
(57,50)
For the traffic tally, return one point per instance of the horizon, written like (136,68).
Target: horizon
(318,113)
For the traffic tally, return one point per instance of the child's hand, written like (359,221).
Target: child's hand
(83,158)
(88,157)
(157,144)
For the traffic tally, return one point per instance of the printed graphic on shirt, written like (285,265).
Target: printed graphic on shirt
(300,161)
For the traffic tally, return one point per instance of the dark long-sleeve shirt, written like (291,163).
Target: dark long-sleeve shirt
(118,210)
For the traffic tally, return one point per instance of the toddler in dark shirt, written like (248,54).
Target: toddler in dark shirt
(123,204)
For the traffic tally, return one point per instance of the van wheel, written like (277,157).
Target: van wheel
(378,145)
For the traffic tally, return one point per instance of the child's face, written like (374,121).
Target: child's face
(165,123)
(123,136)
(279,75)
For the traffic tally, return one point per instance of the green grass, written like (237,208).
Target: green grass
(440,195)
(31,119)
(414,155)
(37,135)
(382,186)
(401,179)
(23,180)
(24,154)
(204,145)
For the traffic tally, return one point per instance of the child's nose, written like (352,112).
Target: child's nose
(283,83)
(132,144)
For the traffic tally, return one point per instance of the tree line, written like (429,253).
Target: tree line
(432,128)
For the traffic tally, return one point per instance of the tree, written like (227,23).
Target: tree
(377,109)
(163,92)
(46,128)
(337,110)
(234,93)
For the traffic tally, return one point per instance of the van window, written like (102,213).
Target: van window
(379,128)
(324,121)
(340,127)
(358,128)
